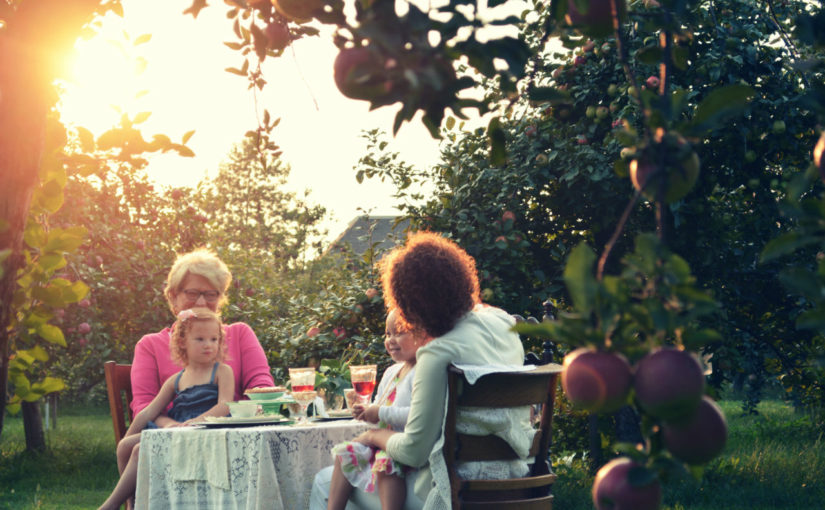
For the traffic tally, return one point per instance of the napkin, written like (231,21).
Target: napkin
(318,408)
(474,372)
(197,455)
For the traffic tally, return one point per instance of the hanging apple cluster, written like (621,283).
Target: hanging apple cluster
(668,385)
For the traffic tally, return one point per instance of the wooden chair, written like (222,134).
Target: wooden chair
(505,389)
(119,387)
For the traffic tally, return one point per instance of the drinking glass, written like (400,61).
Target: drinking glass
(363,380)
(304,398)
(302,379)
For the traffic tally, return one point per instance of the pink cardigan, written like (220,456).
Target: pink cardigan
(153,364)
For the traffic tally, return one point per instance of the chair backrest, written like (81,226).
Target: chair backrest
(119,388)
(498,390)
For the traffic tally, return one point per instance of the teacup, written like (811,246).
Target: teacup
(243,408)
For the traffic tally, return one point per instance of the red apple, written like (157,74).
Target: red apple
(278,35)
(681,169)
(613,490)
(699,439)
(176,194)
(501,239)
(313,331)
(371,293)
(82,342)
(83,328)
(358,75)
(250,292)
(669,383)
(819,160)
(597,20)
(297,9)
(530,131)
(84,303)
(508,215)
(652,82)
(596,381)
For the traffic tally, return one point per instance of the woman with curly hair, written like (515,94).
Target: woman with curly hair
(434,284)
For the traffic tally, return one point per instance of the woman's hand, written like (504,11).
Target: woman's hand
(366,413)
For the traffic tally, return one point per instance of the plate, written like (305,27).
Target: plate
(340,414)
(286,399)
(332,418)
(230,421)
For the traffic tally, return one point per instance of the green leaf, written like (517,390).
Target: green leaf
(39,353)
(719,105)
(141,117)
(579,278)
(52,334)
(50,196)
(87,139)
(549,94)
(497,139)
(49,385)
(784,245)
(34,235)
(51,262)
(640,476)
(649,55)
(76,292)
(801,281)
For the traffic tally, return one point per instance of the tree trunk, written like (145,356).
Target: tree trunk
(32,45)
(33,427)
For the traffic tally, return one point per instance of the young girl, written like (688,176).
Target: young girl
(357,465)
(201,389)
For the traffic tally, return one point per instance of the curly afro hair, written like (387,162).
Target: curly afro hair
(431,280)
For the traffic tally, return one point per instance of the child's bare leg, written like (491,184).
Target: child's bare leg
(392,491)
(124,450)
(125,487)
(339,488)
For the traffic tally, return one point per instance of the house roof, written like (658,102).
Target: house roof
(365,230)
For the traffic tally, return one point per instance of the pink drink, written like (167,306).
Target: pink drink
(364,388)
(306,387)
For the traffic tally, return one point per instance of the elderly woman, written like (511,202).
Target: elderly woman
(197,279)
(434,284)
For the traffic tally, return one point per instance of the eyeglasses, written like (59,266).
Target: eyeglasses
(209,295)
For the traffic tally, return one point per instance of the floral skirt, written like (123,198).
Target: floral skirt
(360,464)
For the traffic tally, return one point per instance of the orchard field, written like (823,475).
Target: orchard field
(650,177)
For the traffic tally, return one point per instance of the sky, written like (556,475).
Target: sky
(186,88)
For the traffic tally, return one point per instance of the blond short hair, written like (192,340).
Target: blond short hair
(177,343)
(201,262)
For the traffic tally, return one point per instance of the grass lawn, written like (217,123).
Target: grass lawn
(772,461)
(77,471)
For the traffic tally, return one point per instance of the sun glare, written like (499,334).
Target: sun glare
(104,82)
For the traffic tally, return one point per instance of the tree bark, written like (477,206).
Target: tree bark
(33,427)
(33,43)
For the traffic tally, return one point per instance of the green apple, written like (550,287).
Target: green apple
(778,126)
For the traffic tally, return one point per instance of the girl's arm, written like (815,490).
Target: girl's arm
(226,393)
(155,407)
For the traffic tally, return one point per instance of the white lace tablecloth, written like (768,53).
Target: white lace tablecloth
(268,467)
